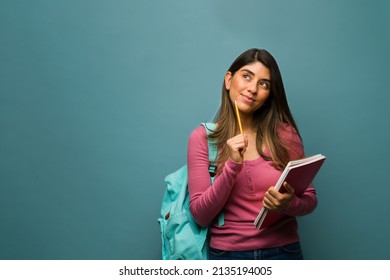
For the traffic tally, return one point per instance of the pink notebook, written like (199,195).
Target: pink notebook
(298,174)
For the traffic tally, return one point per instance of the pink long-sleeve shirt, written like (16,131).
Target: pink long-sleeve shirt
(239,191)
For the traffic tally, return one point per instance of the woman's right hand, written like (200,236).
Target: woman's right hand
(237,147)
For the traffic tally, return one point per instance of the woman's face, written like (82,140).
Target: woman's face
(250,86)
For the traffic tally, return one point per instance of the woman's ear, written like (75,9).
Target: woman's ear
(228,80)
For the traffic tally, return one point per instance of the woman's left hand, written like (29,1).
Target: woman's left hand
(276,201)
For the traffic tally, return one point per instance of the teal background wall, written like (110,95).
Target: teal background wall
(97,99)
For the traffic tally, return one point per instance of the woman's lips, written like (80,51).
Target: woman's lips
(247,98)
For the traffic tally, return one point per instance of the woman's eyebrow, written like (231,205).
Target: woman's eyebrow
(249,71)
(266,80)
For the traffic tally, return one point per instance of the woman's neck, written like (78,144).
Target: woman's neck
(247,126)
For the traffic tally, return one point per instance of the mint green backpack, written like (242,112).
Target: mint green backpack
(181,237)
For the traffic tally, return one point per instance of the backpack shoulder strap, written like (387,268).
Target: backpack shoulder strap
(211,143)
(213,152)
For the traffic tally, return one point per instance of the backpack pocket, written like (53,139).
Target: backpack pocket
(180,240)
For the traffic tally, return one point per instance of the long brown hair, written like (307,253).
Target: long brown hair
(267,119)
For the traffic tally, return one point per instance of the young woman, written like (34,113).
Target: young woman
(249,164)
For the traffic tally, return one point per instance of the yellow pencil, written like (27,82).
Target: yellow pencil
(238,116)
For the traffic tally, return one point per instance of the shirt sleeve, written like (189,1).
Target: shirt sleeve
(307,202)
(206,199)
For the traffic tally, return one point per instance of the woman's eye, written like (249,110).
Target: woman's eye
(245,76)
(264,85)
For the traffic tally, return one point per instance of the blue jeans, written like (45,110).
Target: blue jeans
(287,252)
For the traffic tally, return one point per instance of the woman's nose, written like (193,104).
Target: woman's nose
(252,87)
